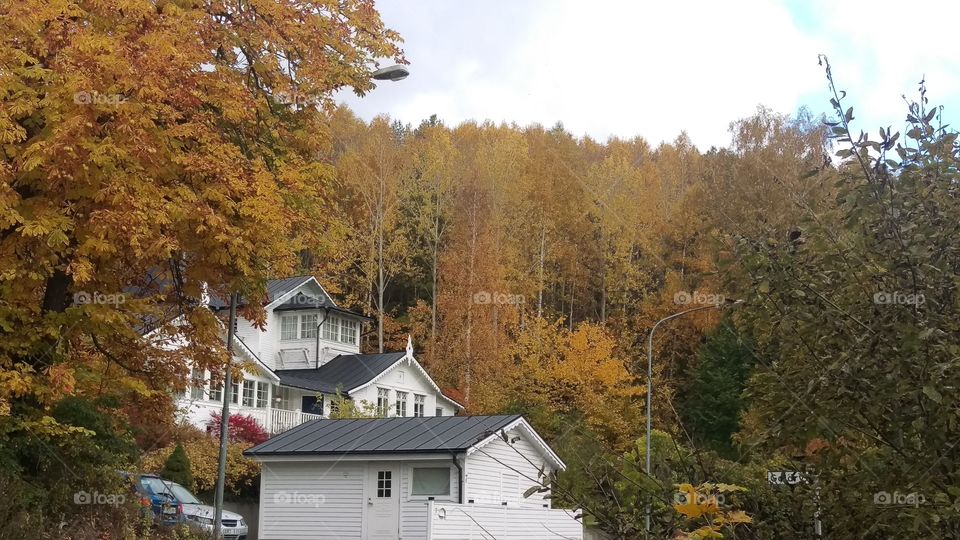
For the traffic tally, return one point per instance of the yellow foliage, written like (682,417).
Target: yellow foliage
(204,454)
(703,504)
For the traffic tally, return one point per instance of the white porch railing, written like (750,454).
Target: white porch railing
(276,421)
(447,521)
(281,420)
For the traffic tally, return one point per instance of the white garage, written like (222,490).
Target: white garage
(456,477)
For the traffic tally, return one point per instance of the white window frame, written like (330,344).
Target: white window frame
(216,391)
(348,331)
(249,393)
(308,326)
(411,495)
(295,327)
(401,408)
(331,328)
(439,411)
(383,401)
(197,391)
(419,405)
(262,395)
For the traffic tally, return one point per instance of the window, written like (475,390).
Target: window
(431,481)
(197,384)
(439,411)
(383,401)
(334,406)
(288,327)
(401,403)
(308,326)
(216,391)
(348,332)
(234,392)
(249,390)
(342,330)
(384,483)
(418,404)
(331,329)
(263,390)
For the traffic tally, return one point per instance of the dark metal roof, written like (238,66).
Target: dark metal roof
(347,371)
(275,289)
(431,434)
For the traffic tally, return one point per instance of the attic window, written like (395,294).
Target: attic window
(431,481)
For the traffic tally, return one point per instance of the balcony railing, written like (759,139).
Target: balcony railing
(276,421)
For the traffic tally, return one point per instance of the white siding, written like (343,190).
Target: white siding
(311,500)
(412,381)
(497,473)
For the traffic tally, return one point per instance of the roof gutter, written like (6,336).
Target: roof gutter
(460,479)
(326,315)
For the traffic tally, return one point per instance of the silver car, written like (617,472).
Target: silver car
(200,516)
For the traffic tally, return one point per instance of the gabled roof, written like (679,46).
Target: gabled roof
(348,371)
(384,436)
(277,289)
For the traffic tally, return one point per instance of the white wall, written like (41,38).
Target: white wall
(497,473)
(312,500)
(405,377)
(326,500)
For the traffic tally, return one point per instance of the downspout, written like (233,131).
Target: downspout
(316,352)
(459,478)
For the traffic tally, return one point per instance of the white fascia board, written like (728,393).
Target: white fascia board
(405,358)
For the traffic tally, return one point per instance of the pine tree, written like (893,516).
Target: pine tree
(177,468)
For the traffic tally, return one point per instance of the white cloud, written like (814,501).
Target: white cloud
(650,68)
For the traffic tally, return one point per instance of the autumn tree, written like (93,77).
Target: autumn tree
(154,152)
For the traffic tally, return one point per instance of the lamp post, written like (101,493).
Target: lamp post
(392,73)
(650,380)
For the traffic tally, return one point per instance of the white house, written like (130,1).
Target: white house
(307,351)
(430,478)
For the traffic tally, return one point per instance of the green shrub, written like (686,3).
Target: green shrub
(177,468)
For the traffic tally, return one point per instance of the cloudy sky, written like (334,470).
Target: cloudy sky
(633,67)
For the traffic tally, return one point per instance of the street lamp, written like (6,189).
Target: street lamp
(392,73)
(650,378)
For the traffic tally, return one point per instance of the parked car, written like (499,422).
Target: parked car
(200,516)
(154,496)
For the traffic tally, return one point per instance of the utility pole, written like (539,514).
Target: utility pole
(225,418)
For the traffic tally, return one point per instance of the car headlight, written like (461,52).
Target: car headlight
(242,523)
(201,520)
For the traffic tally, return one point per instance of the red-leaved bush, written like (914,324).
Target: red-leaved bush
(241,428)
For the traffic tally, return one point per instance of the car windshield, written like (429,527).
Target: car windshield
(182,495)
(168,489)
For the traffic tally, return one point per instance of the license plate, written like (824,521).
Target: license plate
(169,510)
(231,531)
